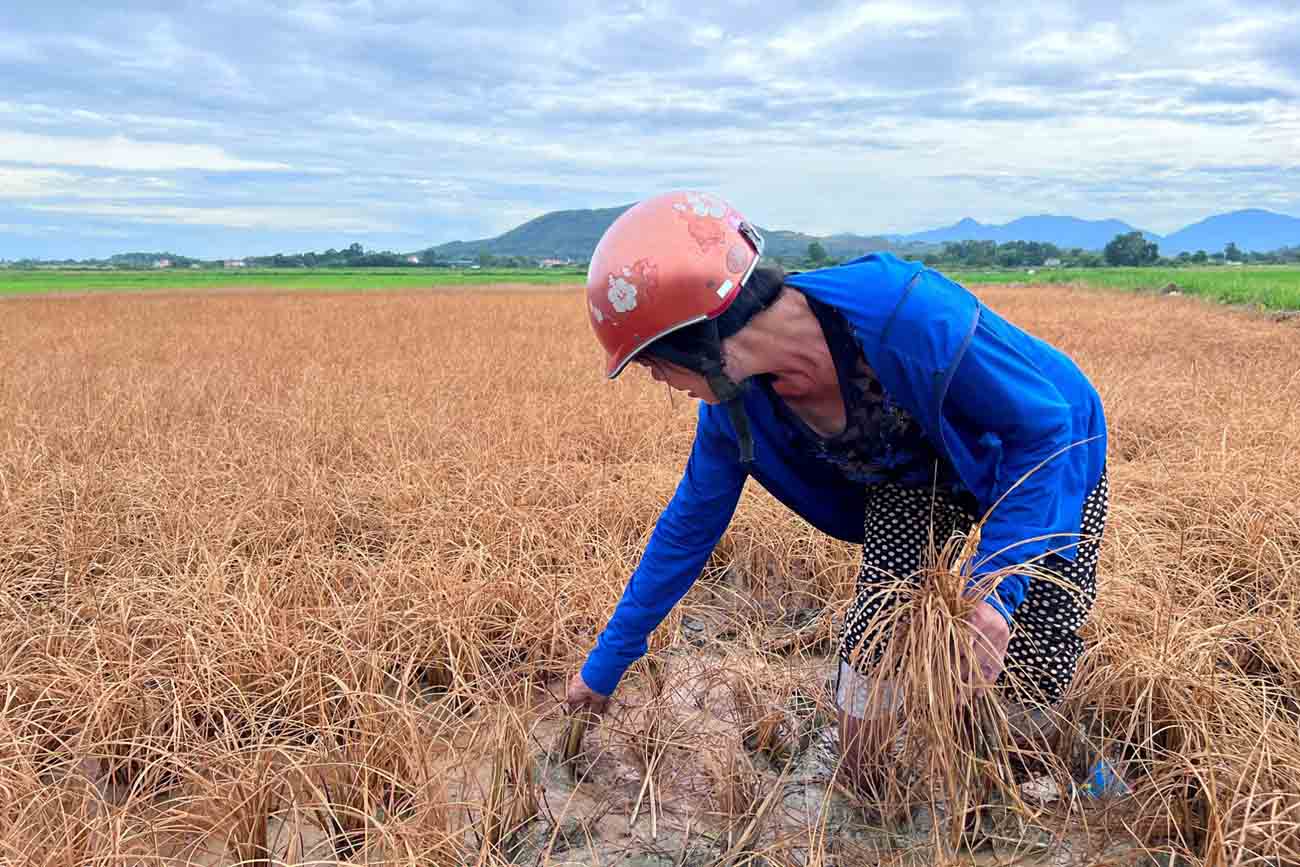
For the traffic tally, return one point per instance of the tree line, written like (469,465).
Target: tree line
(352,256)
(1132,250)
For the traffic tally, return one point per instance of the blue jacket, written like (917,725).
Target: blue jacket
(1000,404)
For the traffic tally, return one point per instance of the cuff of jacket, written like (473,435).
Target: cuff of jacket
(602,674)
(1000,606)
(1007,595)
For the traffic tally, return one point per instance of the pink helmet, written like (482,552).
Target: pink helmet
(666,263)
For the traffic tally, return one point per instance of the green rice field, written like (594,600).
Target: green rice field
(1274,287)
(1269,287)
(22,282)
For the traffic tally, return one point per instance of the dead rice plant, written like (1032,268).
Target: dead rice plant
(257,547)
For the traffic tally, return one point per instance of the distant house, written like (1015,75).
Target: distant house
(414,260)
(163,263)
(554,263)
(1051,263)
(233,263)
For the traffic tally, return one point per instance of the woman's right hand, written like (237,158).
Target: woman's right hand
(579,696)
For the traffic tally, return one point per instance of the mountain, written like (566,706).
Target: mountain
(782,243)
(1251,229)
(559,234)
(1064,232)
(574,235)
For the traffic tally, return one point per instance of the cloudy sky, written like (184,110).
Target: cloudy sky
(236,127)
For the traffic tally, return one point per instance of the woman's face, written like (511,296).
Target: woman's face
(678,377)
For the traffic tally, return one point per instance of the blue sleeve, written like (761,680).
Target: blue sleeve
(999,391)
(684,537)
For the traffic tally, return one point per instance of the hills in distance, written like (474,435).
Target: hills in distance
(1251,230)
(573,235)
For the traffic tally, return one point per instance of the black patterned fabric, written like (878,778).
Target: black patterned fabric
(1045,645)
(881,442)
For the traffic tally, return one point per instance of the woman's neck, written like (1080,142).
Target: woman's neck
(785,341)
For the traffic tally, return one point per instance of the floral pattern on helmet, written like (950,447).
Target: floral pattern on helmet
(622,294)
(706,205)
(628,287)
(704,215)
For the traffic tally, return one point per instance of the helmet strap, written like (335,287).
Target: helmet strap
(735,405)
(730,393)
(704,356)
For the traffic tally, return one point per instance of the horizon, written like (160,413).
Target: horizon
(405,125)
(864,234)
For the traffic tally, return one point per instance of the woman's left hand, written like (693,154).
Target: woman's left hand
(992,635)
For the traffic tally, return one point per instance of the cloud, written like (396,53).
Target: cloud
(30,184)
(119,152)
(14,50)
(851,23)
(1095,45)
(1224,92)
(410,123)
(34,230)
(270,217)
(27,230)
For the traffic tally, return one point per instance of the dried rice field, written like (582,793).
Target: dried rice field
(297,579)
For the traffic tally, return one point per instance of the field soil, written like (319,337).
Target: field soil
(298,578)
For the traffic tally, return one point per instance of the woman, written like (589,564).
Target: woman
(878,400)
